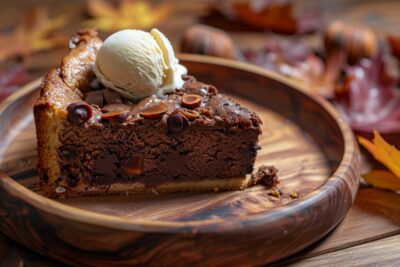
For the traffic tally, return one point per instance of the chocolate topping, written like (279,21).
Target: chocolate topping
(79,112)
(95,98)
(112,97)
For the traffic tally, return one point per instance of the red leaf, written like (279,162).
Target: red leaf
(11,80)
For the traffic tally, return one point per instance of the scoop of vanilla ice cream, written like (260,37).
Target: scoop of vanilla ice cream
(137,64)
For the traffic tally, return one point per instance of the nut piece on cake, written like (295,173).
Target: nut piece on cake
(123,117)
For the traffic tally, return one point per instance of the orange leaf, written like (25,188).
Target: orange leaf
(383,179)
(128,14)
(35,32)
(385,153)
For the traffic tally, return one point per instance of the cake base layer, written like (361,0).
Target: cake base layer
(140,188)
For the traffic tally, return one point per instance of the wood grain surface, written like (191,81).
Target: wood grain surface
(313,148)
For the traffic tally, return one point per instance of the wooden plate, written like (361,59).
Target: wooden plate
(303,137)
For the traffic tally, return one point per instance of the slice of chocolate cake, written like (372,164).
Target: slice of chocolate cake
(93,140)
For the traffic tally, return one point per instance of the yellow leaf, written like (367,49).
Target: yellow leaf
(98,8)
(383,179)
(367,144)
(385,153)
(128,14)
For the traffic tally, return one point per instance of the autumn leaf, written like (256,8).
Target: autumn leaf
(11,79)
(35,32)
(383,152)
(383,179)
(276,16)
(128,14)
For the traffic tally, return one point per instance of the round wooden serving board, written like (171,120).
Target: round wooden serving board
(303,137)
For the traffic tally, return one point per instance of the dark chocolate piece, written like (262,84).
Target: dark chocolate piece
(112,97)
(79,112)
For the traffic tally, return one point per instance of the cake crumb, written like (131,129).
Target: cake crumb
(294,194)
(265,175)
(275,193)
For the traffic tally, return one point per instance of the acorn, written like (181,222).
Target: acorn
(355,41)
(206,40)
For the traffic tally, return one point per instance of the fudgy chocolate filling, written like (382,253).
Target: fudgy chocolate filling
(193,134)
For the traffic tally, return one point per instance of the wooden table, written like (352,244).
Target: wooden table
(370,233)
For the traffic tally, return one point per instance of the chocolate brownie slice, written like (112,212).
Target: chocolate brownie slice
(93,141)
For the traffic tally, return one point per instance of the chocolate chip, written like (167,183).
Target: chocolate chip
(191,100)
(95,98)
(176,122)
(79,112)
(134,166)
(116,115)
(155,111)
(189,114)
(112,97)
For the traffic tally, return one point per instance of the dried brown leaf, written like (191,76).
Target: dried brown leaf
(35,32)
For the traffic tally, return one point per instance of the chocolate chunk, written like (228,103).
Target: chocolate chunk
(134,166)
(191,100)
(112,97)
(266,175)
(189,114)
(79,112)
(121,115)
(176,122)
(95,98)
(155,111)
(106,165)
